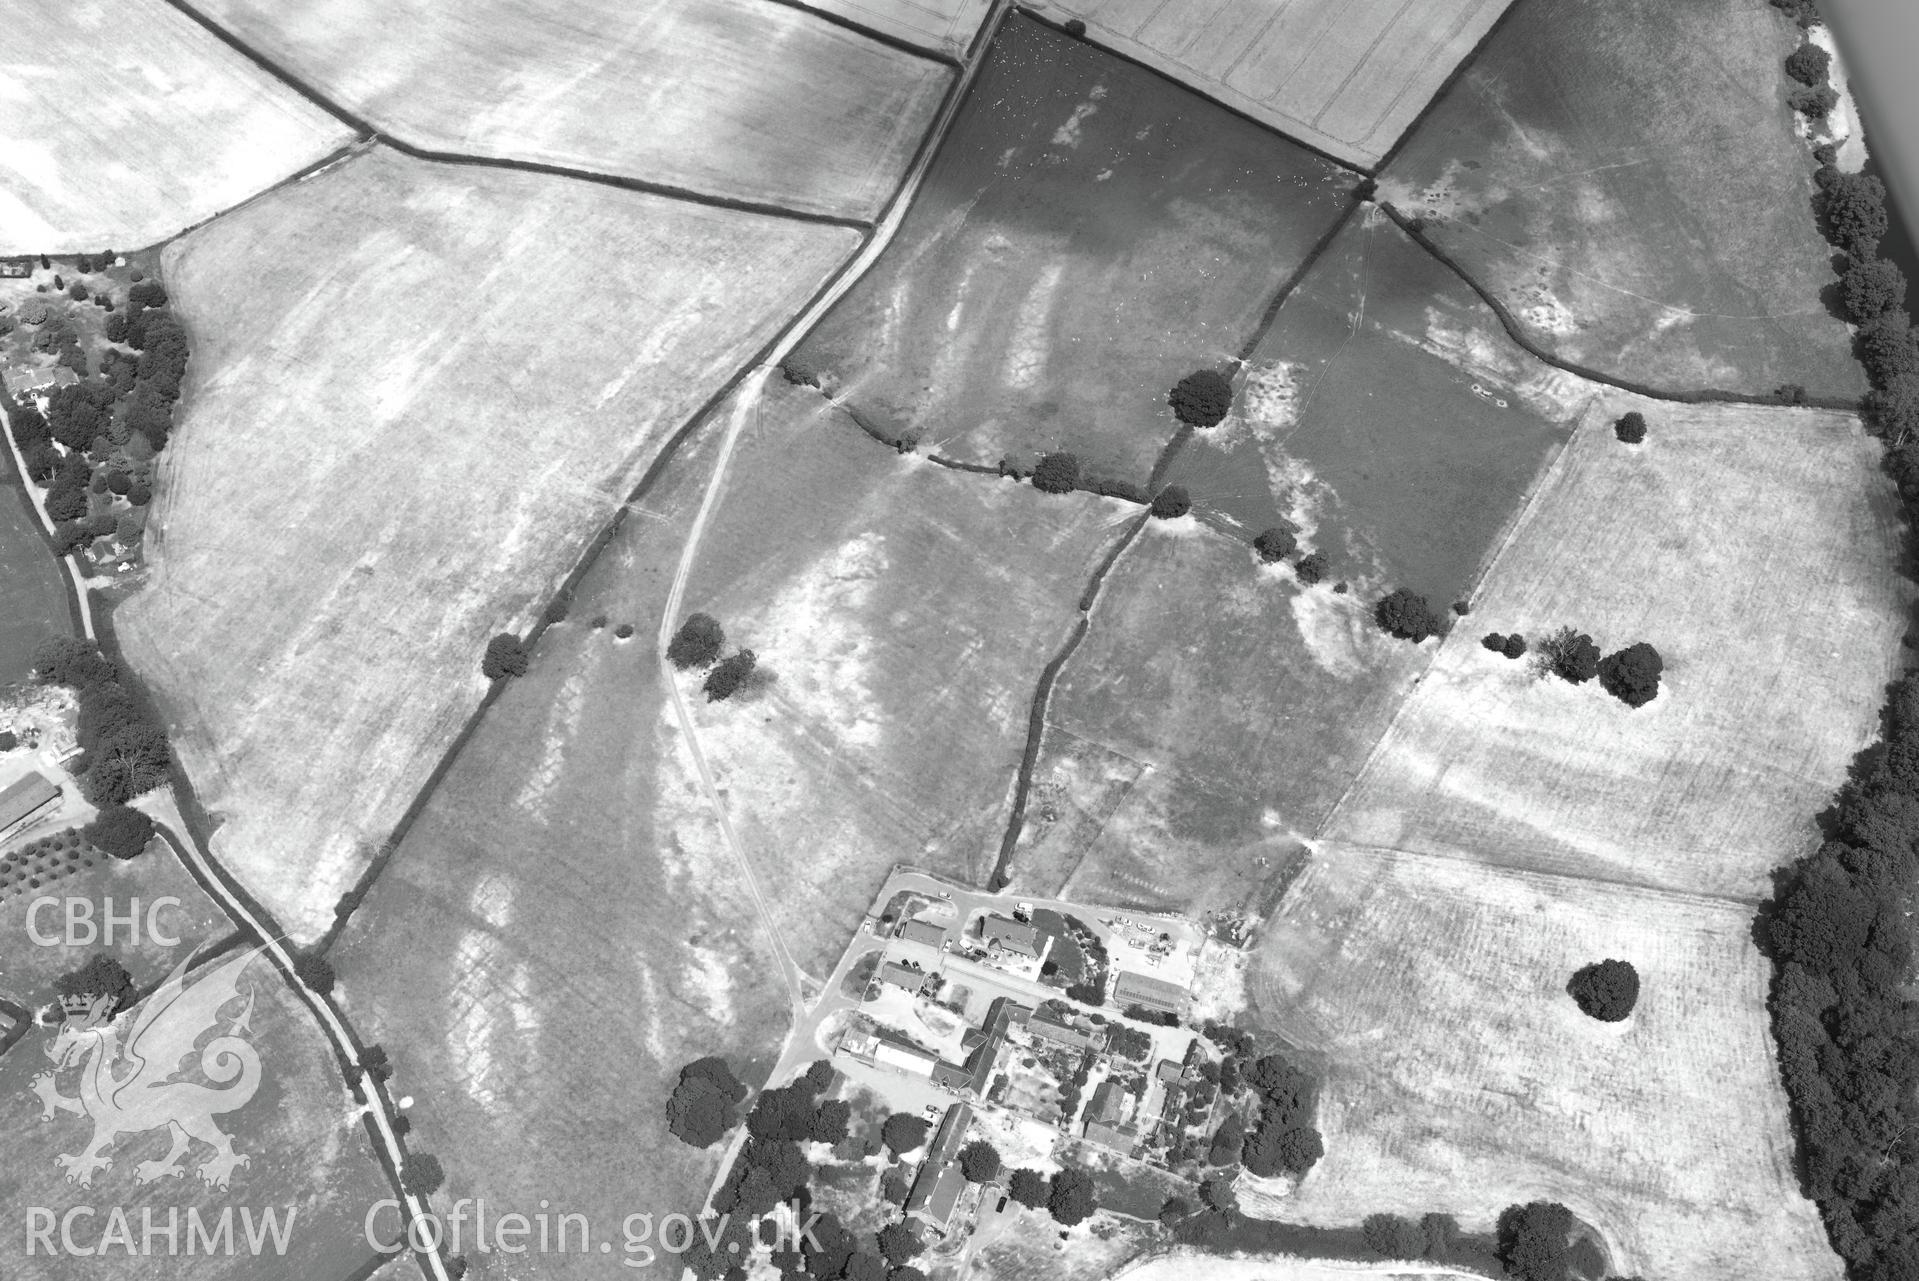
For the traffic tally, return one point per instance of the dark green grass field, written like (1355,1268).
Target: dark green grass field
(1624,175)
(1386,415)
(33,600)
(1088,234)
(306,1147)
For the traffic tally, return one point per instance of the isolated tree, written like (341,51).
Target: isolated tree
(1515,646)
(505,656)
(1075,28)
(1275,544)
(1172,502)
(1854,208)
(903,1132)
(422,1174)
(1535,1241)
(726,678)
(102,975)
(979,1162)
(1029,1187)
(120,831)
(1631,427)
(315,971)
(700,1110)
(1494,641)
(1871,288)
(1407,615)
(1605,990)
(1202,398)
(1808,64)
(1057,473)
(1312,567)
(1569,655)
(1631,675)
(800,371)
(697,643)
(1071,1198)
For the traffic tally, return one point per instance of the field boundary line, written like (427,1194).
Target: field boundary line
(1704,396)
(1291,284)
(1697,898)
(1550,478)
(900,43)
(1042,698)
(1086,38)
(370,132)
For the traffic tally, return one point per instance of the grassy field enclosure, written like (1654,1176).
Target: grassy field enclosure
(1776,620)
(903,613)
(28,968)
(1213,715)
(127,122)
(944,25)
(1462,1078)
(1625,177)
(307,1146)
(33,595)
(733,97)
(1345,78)
(1088,235)
(561,931)
(400,427)
(1386,417)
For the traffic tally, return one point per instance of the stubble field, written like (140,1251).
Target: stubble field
(1386,417)
(1214,713)
(1346,78)
(127,122)
(945,25)
(1088,235)
(731,97)
(403,419)
(903,613)
(1758,551)
(1462,1078)
(1626,179)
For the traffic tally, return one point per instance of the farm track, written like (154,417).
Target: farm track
(370,133)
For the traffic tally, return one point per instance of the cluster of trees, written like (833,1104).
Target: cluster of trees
(1537,1243)
(1057,473)
(1569,655)
(120,830)
(771,1168)
(1067,1195)
(1848,1034)
(701,1108)
(1202,398)
(1813,98)
(1513,646)
(1129,1042)
(1408,615)
(1605,990)
(1630,675)
(124,751)
(506,655)
(102,975)
(729,674)
(697,644)
(1285,1141)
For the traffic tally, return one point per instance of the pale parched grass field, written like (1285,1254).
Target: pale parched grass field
(406,414)
(733,97)
(1757,549)
(123,123)
(1462,1078)
(1345,77)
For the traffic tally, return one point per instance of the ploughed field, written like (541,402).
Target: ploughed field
(1461,1077)
(737,98)
(126,123)
(1087,235)
(1347,78)
(1627,180)
(1758,550)
(404,419)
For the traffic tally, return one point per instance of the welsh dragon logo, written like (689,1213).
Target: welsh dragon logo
(131,1088)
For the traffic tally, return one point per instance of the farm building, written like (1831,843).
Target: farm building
(1116,1137)
(903,1058)
(923,932)
(23,798)
(903,976)
(1002,934)
(951,1135)
(1051,1030)
(936,1193)
(1169,1071)
(970,1077)
(1144,989)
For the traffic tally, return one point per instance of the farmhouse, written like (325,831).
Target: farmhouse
(1002,934)
(923,932)
(903,976)
(1116,1137)
(1169,1072)
(970,1077)
(1144,989)
(24,798)
(936,1193)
